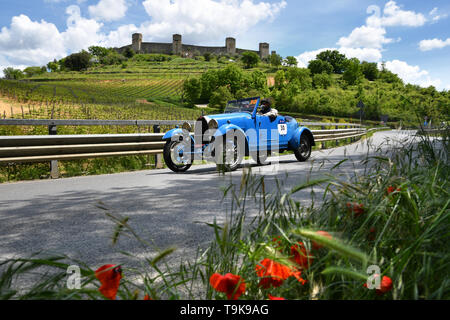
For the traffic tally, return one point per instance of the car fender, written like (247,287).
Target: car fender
(294,143)
(223,130)
(175,134)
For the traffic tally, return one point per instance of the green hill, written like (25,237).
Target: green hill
(154,81)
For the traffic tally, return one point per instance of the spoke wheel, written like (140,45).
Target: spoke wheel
(176,156)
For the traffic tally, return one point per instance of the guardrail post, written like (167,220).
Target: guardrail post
(324,142)
(337,141)
(54,170)
(158,158)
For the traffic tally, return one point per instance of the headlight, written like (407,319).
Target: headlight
(213,124)
(187,126)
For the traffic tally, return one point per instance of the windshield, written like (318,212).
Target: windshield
(244,105)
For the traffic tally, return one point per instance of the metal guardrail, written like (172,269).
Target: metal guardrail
(29,149)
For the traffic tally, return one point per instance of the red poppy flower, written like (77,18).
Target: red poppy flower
(356,208)
(301,255)
(385,285)
(392,189)
(109,276)
(272,273)
(315,245)
(275,298)
(372,235)
(298,275)
(232,285)
(147,297)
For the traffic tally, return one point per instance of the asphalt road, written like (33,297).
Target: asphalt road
(169,209)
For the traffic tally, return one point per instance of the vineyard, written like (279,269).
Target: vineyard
(93,91)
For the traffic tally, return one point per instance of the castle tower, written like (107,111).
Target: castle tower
(264,50)
(136,42)
(230,43)
(177,44)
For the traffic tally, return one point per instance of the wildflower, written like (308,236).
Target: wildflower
(317,246)
(275,298)
(301,255)
(147,297)
(272,273)
(392,189)
(372,235)
(356,208)
(385,285)
(109,276)
(232,285)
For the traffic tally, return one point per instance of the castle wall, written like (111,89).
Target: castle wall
(154,47)
(177,47)
(202,50)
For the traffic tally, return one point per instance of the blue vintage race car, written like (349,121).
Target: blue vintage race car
(242,130)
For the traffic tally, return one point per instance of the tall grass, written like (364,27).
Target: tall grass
(402,226)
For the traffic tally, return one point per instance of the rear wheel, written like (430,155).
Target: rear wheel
(303,152)
(177,156)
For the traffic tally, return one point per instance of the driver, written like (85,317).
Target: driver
(266,110)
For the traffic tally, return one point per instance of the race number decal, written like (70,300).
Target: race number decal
(282,129)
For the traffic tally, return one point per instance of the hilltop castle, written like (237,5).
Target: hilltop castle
(178,48)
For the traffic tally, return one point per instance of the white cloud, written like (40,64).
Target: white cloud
(435,17)
(81,32)
(205,20)
(26,42)
(30,42)
(365,37)
(394,16)
(108,10)
(427,45)
(412,74)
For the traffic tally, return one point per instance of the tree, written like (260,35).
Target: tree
(301,76)
(322,80)
(250,59)
(192,89)
(207,56)
(98,52)
(129,53)
(220,98)
(291,61)
(13,74)
(280,79)
(353,73)
(276,60)
(32,71)
(320,66)
(335,58)
(370,70)
(53,66)
(78,61)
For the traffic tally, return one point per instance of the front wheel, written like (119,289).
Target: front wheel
(177,156)
(303,152)
(230,153)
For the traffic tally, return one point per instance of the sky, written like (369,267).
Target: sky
(412,37)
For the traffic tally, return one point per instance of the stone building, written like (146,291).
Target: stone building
(178,48)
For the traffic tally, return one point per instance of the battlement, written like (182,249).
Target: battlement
(178,48)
